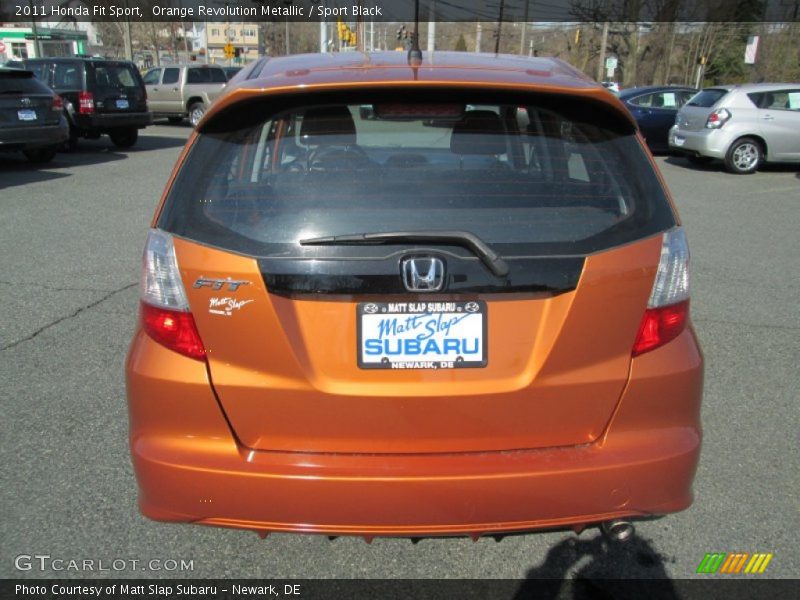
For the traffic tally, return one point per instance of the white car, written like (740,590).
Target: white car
(743,125)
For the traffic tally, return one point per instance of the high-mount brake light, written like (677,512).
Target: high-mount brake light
(165,311)
(667,310)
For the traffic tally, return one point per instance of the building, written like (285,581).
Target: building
(244,37)
(18,43)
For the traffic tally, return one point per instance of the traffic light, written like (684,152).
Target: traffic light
(237,52)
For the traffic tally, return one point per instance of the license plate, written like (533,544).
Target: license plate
(26,115)
(421,335)
(679,141)
(122,104)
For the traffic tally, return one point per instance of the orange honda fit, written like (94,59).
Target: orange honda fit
(383,299)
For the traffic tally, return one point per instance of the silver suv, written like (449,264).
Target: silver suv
(744,125)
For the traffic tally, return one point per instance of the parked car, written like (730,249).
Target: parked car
(182,91)
(230,72)
(100,97)
(611,86)
(467,314)
(654,109)
(743,125)
(13,64)
(31,116)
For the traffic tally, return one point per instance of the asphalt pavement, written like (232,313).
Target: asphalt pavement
(71,236)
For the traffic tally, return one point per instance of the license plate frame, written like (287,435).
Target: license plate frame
(465,324)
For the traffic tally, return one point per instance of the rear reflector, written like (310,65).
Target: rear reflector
(660,325)
(174,329)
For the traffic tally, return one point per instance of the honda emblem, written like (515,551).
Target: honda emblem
(423,274)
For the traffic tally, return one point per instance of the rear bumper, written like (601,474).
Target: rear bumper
(106,121)
(29,138)
(190,468)
(705,142)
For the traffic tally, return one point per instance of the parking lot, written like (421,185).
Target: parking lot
(71,235)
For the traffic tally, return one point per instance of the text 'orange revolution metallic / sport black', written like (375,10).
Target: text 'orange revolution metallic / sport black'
(383,299)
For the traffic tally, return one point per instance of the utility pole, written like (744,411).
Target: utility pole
(601,59)
(205,39)
(524,29)
(499,27)
(36,43)
(323,36)
(372,36)
(432,26)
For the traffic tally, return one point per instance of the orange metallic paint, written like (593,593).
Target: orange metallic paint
(278,360)
(293,437)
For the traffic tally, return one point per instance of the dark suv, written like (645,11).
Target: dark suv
(100,96)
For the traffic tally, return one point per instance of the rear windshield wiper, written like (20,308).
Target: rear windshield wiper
(464,239)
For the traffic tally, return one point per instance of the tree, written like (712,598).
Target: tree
(461,44)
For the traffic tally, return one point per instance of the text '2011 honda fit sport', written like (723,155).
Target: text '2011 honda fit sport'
(383,299)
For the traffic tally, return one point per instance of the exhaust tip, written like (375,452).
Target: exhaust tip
(617,530)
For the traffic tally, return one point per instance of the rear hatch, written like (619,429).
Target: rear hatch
(494,307)
(25,101)
(694,114)
(117,87)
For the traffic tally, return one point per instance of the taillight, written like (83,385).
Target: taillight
(717,119)
(174,329)
(668,307)
(85,103)
(165,310)
(58,104)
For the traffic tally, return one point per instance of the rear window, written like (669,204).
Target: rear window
(115,76)
(204,75)
(22,82)
(525,176)
(706,98)
(39,69)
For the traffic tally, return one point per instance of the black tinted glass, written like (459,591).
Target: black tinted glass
(511,173)
(171,75)
(706,98)
(115,76)
(21,81)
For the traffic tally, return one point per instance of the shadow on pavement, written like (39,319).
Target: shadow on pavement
(20,172)
(15,169)
(594,568)
(682,161)
(716,165)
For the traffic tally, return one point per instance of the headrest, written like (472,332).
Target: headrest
(329,120)
(478,132)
